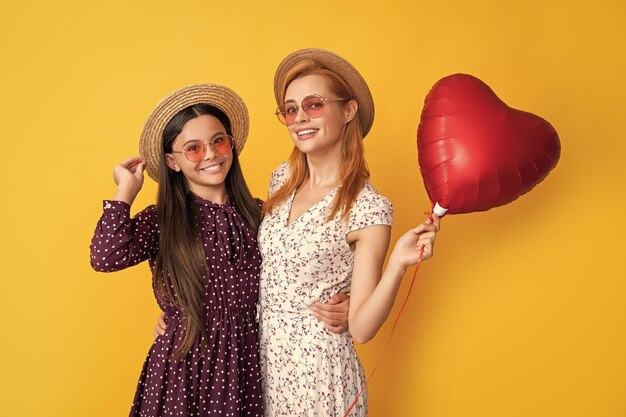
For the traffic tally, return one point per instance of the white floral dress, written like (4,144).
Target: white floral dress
(307,370)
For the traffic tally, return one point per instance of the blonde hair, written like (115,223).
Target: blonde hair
(353,172)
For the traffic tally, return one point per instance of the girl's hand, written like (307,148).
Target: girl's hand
(334,313)
(408,247)
(161,327)
(128,176)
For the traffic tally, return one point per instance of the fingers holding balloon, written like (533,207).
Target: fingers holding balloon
(429,225)
(424,228)
(435,221)
(426,242)
(416,244)
(425,235)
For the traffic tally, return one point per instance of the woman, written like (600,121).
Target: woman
(325,230)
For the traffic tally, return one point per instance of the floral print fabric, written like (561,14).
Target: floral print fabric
(306,369)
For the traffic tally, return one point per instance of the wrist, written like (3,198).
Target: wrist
(127,196)
(395,265)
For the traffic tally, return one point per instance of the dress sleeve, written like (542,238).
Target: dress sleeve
(119,241)
(279,177)
(369,209)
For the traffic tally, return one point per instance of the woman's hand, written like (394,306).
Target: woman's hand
(161,327)
(409,246)
(334,313)
(128,176)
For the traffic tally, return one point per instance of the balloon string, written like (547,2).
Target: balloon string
(393,329)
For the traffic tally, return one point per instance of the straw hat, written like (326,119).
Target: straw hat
(225,99)
(358,87)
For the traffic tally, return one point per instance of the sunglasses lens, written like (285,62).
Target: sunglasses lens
(280,115)
(313,106)
(289,113)
(223,145)
(195,152)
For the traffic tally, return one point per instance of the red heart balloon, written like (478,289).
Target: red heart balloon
(475,152)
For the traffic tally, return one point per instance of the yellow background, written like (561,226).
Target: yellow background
(521,311)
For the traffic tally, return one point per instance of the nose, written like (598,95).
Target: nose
(301,116)
(209,152)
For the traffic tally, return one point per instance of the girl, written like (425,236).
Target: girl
(200,241)
(325,230)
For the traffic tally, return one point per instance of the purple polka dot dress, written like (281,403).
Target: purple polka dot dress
(217,378)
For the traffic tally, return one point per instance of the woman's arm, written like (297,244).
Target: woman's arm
(373,293)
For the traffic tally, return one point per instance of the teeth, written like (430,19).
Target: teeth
(212,168)
(306,132)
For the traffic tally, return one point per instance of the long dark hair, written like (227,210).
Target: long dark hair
(180,271)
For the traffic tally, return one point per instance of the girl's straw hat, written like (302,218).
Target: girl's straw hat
(225,99)
(358,87)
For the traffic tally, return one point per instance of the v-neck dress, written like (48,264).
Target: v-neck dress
(220,377)
(307,370)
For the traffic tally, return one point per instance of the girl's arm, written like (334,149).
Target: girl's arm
(373,294)
(119,241)
(333,313)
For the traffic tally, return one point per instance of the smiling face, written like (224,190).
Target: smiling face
(207,177)
(322,134)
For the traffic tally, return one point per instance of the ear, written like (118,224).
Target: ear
(351,110)
(171,162)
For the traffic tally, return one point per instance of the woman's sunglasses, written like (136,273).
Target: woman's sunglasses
(313,106)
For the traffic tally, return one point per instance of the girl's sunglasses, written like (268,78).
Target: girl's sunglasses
(195,151)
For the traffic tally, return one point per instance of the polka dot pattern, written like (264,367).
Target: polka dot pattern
(219,376)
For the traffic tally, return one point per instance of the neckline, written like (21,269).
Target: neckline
(289,204)
(209,203)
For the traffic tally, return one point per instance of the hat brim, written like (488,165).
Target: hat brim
(225,99)
(356,83)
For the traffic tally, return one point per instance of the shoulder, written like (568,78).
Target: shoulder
(151,210)
(370,208)
(368,198)
(279,177)
(117,208)
(281,172)
(147,215)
